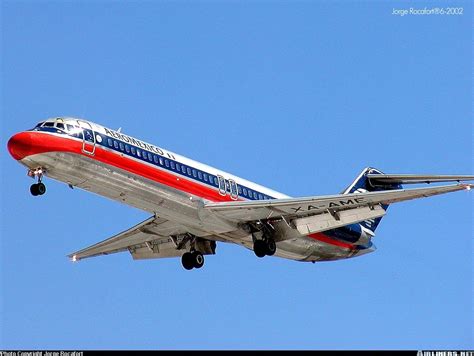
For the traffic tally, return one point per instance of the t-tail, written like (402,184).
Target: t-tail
(373,180)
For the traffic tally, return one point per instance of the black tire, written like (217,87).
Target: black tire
(198,259)
(260,248)
(34,190)
(188,261)
(271,247)
(41,188)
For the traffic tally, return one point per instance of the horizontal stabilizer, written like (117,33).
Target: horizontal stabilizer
(414,178)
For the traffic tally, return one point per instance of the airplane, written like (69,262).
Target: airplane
(193,206)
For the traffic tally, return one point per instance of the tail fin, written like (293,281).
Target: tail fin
(363,184)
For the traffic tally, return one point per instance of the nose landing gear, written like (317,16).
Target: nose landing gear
(38,188)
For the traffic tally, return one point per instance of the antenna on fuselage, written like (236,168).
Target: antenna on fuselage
(119,129)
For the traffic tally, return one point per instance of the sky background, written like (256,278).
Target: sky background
(297,96)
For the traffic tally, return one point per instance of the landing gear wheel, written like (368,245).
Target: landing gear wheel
(198,259)
(271,247)
(34,190)
(260,248)
(40,188)
(188,261)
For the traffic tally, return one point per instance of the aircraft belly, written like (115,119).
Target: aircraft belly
(119,185)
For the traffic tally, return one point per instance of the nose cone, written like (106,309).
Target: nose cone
(20,145)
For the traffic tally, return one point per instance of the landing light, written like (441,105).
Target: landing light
(74,258)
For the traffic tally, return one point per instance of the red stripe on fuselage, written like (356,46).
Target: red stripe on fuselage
(41,144)
(323,238)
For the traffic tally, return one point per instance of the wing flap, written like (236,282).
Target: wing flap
(328,221)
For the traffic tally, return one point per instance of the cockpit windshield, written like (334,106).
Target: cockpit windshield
(39,124)
(59,125)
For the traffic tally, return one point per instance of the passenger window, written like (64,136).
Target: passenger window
(245,191)
(122,146)
(167,163)
(150,157)
(115,144)
(216,182)
(110,142)
(260,196)
(205,177)
(189,171)
(240,189)
(127,148)
(194,173)
(161,161)
(255,195)
(138,153)
(200,175)
(173,166)
(134,150)
(155,158)
(178,167)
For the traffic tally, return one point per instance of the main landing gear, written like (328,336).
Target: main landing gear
(263,234)
(263,248)
(38,188)
(192,260)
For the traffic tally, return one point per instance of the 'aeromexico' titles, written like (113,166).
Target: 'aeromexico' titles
(133,141)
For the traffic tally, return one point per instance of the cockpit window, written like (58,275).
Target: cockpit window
(60,125)
(39,124)
(69,127)
(48,124)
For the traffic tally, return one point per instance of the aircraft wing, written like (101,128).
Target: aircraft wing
(149,239)
(301,207)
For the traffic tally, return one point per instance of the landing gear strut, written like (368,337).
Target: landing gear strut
(192,260)
(38,188)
